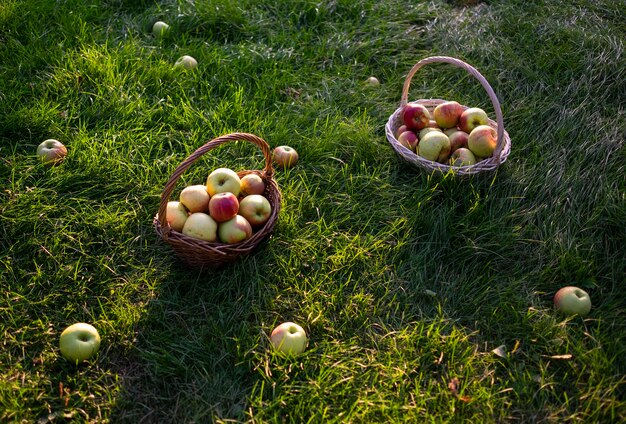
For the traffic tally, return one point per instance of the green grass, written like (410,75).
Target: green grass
(406,282)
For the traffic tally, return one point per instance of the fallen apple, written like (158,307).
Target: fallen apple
(471,118)
(79,341)
(572,300)
(195,198)
(482,141)
(462,157)
(234,230)
(415,116)
(223,206)
(186,62)
(256,209)
(289,338)
(285,156)
(252,184)
(434,146)
(176,215)
(373,81)
(200,226)
(51,151)
(409,140)
(160,28)
(223,180)
(447,114)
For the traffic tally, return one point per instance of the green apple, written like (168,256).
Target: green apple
(373,81)
(200,226)
(471,118)
(78,342)
(234,230)
(426,130)
(187,62)
(51,151)
(482,141)
(223,180)
(572,300)
(195,198)
(434,146)
(160,28)
(256,209)
(176,215)
(289,338)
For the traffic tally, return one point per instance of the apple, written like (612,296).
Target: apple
(409,140)
(572,300)
(79,341)
(223,206)
(234,230)
(159,29)
(471,118)
(51,151)
(285,156)
(186,62)
(426,130)
(462,157)
(252,184)
(400,130)
(450,131)
(433,124)
(482,141)
(447,114)
(256,209)
(176,215)
(195,198)
(373,81)
(415,116)
(289,338)
(200,226)
(458,139)
(222,180)
(434,146)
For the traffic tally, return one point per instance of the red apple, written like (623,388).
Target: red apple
(223,180)
(256,209)
(201,226)
(482,141)
(435,146)
(400,130)
(462,157)
(447,114)
(223,206)
(433,124)
(471,118)
(51,151)
(285,156)
(415,116)
(234,230)
(252,184)
(458,139)
(195,198)
(408,139)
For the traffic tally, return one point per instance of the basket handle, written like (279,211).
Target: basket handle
(474,72)
(171,183)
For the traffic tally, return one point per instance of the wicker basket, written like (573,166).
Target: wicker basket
(199,253)
(503,147)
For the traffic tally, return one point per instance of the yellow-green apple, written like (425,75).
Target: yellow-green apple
(256,209)
(252,184)
(402,128)
(223,206)
(160,28)
(51,151)
(482,141)
(234,230)
(222,180)
(434,146)
(572,300)
(285,156)
(200,226)
(471,118)
(289,338)
(415,116)
(79,341)
(373,81)
(426,130)
(187,62)
(450,131)
(195,198)
(458,139)
(176,215)
(408,139)
(462,157)
(447,114)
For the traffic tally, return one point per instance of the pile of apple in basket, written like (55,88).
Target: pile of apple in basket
(452,134)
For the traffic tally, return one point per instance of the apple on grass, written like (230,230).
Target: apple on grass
(285,156)
(223,206)
(79,341)
(373,81)
(222,180)
(435,146)
(415,116)
(256,209)
(234,230)
(482,141)
(572,300)
(409,140)
(252,184)
(462,157)
(447,114)
(289,338)
(51,151)
(471,118)
(160,28)
(200,226)
(186,62)
(176,215)
(195,198)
